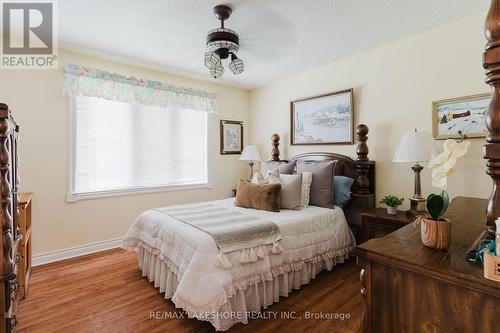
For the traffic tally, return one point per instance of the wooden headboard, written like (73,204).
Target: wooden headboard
(361,169)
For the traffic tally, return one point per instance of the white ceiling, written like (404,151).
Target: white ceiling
(277,37)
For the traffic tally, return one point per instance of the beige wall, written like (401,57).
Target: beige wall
(394,86)
(38,105)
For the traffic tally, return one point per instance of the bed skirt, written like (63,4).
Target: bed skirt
(250,296)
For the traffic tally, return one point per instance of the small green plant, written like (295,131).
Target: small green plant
(392,201)
(437,204)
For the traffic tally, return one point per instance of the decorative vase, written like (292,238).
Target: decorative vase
(435,234)
(392,210)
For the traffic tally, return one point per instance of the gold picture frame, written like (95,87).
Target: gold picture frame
(326,119)
(465,114)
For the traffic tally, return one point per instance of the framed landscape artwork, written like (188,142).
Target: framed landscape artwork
(323,120)
(231,137)
(465,114)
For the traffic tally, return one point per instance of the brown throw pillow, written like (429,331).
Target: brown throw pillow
(258,196)
(322,181)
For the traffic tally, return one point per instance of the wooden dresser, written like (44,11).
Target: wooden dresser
(24,269)
(410,288)
(11,236)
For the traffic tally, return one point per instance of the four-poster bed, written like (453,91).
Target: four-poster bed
(361,169)
(182,256)
(491,150)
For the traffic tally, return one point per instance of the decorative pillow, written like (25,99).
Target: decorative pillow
(258,178)
(342,192)
(291,194)
(306,186)
(283,168)
(322,181)
(258,196)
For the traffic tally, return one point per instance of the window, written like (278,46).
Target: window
(118,147)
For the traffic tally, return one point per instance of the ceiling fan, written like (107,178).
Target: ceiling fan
(222,43)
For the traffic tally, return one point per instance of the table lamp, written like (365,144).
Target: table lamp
(416,147)
(250,153)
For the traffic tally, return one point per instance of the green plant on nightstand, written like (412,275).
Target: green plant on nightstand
(392,202)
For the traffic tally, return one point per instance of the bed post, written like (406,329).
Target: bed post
(275,152)
(362,161)
(363,193)
(491,150)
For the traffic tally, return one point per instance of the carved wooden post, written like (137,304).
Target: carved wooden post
(491,150)
(362,161)
(275,152)
(6,217)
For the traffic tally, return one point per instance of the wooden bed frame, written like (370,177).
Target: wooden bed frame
(491,149)
(361,169)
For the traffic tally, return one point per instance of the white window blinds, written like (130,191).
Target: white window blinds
(121,146)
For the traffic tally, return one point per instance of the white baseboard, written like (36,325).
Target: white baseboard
(77,251)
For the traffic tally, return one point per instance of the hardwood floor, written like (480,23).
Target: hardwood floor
(105,292)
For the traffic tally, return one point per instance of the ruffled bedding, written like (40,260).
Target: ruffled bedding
(182,261)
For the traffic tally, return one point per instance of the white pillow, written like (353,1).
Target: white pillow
(258,178)
(291,190)
(306,186)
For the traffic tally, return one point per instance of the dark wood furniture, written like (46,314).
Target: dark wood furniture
(11,236)
(408,287)
(491,149)
(24,268)
(377,223)
(361,169)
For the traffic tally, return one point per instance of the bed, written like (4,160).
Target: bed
(183,261)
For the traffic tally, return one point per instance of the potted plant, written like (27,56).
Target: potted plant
(435,230)
(392,202)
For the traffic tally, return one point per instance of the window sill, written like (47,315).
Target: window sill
(74,197)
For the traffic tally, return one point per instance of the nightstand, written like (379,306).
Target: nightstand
(377,223)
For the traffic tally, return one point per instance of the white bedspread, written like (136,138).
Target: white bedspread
(312,234)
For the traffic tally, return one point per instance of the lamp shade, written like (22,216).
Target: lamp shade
(416,147)
(250,153)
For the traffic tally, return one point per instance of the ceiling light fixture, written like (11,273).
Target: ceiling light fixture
(222,43)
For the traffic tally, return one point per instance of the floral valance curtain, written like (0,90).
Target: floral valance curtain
(91,82)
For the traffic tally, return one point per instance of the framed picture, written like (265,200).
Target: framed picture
(466,114)
(323,120)
(231,137)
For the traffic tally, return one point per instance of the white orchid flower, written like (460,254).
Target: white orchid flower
(450,145)
(449,164)
(461,149)
(438,159)
(442,164)
(440,182)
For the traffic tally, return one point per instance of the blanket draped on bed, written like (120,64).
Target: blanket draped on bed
(231,230)
(182,260)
